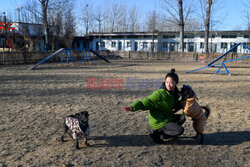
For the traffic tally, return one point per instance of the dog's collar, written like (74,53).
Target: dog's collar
(83,124)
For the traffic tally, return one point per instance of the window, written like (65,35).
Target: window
(228,36)
(247,45)
(78,44)
(165,45)
(97,44)
(223,45)
(202,36)
(172,46)
(145,45)
(128,44)
(191,46)
(185,45)
(188,36)
(201,45)
(113,44)
(246,36)
(117,37)
(168,36)
(147,36)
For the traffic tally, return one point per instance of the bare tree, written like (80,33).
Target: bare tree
(193,24)
(152,21)
(99,19)
(114,13)
(133,17)
(46,6)
(88,16)
(246,16)
(179,13)
(69,27)
(31,12)
(206,18)
(122,20)
(211,20)
(118,18)
(62,24)
(105,22)
(56,23)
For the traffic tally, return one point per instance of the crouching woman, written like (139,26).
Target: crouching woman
(163,121)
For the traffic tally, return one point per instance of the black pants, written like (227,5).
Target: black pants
(170,130)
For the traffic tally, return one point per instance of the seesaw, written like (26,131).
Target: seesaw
(211,64)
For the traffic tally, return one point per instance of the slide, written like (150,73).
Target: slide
(103,58)
(46,59)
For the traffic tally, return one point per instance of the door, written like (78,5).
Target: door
(172,47)
(136,46)
(119,45)
(191,47)
(97,45)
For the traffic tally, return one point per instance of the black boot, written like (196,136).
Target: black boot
(181,120)
(156,136)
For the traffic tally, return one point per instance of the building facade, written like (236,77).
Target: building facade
(31,37)
(219,41)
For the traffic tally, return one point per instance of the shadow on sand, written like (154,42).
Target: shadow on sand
(216,139)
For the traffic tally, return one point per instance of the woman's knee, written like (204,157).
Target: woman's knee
(173,129)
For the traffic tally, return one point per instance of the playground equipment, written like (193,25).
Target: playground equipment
(87,54)
(67,53)
(5,28)
(103,58)
(222,64)
(85,57)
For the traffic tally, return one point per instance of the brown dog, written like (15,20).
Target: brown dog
(194,110)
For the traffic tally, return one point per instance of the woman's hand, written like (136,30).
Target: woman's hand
(128,108)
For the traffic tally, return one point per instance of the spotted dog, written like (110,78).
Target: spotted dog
(78,127)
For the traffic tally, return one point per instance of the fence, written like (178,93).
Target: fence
(34,57)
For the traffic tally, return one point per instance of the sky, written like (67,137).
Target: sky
(230,12)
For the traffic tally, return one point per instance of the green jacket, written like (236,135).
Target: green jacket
(160,104)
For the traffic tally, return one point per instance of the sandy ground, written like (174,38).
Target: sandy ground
(34,102)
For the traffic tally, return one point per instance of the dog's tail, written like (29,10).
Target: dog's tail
(207,110)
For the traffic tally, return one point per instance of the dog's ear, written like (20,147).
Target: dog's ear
(77,115)
(185,92)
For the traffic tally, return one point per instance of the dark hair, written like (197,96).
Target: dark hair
(173,75)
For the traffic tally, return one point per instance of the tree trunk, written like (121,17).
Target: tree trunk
(207,25)
(45,22)
(181,25)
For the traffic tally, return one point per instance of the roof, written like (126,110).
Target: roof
(164,33)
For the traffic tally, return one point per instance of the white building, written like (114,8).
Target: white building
(219,41)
